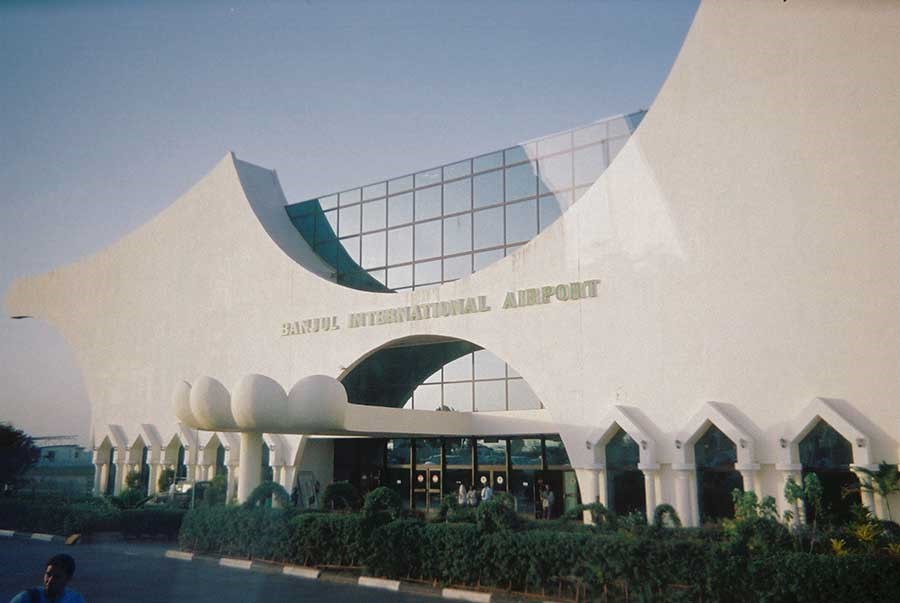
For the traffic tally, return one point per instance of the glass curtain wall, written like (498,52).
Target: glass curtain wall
(423,470)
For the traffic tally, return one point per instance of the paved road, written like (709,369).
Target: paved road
(120,572)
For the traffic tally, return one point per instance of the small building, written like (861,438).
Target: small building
(62,469)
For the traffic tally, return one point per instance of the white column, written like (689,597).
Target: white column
(104,478)
(602,489)
(98,471)
(250,467)
(683,493)
(210,472)
(750,479)
(153,486)
(867,498)
(650,475)
(231,486)
(121,472)
(587,484)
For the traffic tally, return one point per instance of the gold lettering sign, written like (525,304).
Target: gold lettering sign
(521,298)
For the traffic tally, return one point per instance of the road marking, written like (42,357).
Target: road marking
(382,583)
(7,533)
(466,595)
(301,572)
(180,555)
(235,563)
(44,537)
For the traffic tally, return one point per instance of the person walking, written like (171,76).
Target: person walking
(547,500)
(60,569)
(487,492)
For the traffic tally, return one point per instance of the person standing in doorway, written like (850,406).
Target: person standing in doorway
(461,498)
(547,500)
(486,492)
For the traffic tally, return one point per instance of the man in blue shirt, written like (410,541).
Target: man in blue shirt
(60,570)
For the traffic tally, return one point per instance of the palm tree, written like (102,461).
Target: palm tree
(884,481)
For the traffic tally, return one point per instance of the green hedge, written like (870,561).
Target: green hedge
(87,517)
(650,563)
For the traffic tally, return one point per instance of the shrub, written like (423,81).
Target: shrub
(496,514)
(340,496)
(264,493)
(600,515)
(666,516)
(151,522)
(381,505)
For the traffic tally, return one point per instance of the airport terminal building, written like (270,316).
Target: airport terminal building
(654,308)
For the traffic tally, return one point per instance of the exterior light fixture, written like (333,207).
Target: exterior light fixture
(743,443)
(587,444)
(860,442)
(783,442)
(678,444)
(643,444)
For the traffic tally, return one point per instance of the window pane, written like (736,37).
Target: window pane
(400,245)
(589,164)
(555,144)
(351,246)
(398,452)
(525,451)
(349,221)
(459,369)
(521,221)
(488,366)
(615,145)
(373,215)
(428,203)
(488,162)
(458,196)
(515,155)
(552,207)
(348,197)
(428,272)
(399,277)
(328,202)
(556,173)
(378,275)
(521,396)
(428,177)
(427,397)
(458,396)
(521,182)
(428,239)
(375,190)
(491,451)
(488,227)
(458,170)
(428,450)
(618,127)
(400,184)
(458,451)
(594,133)
(556,452)
(485,258)
(488,188)
(400,209)
(457,267)
(490,395)
(332,217)
(373,250)
(457,233)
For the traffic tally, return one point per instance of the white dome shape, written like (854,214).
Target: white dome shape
(317,403)
(211,404)
(181,404)
(259,404)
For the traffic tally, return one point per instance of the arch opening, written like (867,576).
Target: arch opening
(624,481)
(829,455)
(715,455)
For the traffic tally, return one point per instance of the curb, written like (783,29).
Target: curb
(382,583)
(32,536)
(459,594)
(311,573)
(8,533)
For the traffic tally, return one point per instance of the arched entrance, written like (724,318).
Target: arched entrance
(827,454)
(624,481)
(715,456)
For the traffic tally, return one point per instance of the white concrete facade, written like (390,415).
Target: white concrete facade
(742,246)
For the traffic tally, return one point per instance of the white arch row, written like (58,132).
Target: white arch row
(288,455)
(287,452)
(680,489)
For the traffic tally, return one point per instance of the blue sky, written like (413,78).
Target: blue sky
(111,110)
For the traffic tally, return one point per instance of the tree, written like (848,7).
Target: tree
(884,481)
(17,454)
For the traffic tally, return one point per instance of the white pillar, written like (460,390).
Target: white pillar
(98,472)
(210,472)
(104,478)
(602,489)
(683,493)
(121,472)
(231,486)
(153,486)
(250,467)
(650,475)
(750,479)
(587,484)
(867,497)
